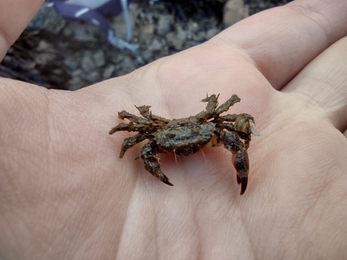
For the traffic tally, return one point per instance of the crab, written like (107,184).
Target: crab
(186,136)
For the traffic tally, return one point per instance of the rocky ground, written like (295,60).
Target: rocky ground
(61,54)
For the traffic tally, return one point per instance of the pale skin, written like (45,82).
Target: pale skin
(65,193)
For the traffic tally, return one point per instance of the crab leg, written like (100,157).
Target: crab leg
(151,161)
(131,127)
(130,142)
(212,103)
(225,106)
(132,118)
(146,113)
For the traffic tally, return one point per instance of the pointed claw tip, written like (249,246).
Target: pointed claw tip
(168,183)
(243,182)
(166,180)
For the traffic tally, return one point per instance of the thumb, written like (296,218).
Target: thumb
(14,17)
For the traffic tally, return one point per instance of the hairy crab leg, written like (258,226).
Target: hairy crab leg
(130,127)
(225,106)
(130,142)
(212,103)
(151,161)
(146,113)
(132,118)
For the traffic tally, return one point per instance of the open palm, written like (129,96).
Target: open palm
(65,193)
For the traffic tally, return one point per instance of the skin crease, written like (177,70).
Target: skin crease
(65,194)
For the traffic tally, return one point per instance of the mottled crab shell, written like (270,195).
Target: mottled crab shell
(177,138)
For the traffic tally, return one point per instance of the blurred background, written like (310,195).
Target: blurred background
(72,44)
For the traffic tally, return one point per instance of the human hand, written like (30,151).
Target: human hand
(64,193)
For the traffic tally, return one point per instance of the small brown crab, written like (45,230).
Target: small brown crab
(186,136)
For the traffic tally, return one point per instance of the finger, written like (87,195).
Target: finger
(14,17)
(323,84)
(281,41)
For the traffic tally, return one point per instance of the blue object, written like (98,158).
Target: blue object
(95,11)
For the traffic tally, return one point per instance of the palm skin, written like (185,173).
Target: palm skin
(65,193)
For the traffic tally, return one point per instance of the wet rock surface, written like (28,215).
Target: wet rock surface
(71,54)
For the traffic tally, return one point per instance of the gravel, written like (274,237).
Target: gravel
(62,54)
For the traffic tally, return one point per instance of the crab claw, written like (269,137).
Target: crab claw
(151,161)
(241,164)
(166,180)
(243,181)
